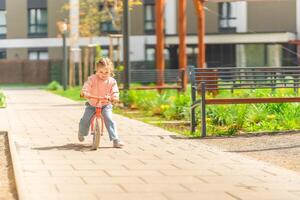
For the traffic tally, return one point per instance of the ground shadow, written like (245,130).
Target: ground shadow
(246,135)
(70,146)
(182,137)
(266,149)
(68,105)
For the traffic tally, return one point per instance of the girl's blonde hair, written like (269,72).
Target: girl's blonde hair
(105,63)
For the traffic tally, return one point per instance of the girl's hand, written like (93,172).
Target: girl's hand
(115,100)
(83,95)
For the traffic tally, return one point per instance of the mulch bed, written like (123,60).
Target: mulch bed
(282,149)
(7,180)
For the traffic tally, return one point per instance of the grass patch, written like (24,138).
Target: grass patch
(71,93)
(178,127)
(21,85)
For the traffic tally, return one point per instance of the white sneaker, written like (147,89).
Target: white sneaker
(80,137)
(118,144)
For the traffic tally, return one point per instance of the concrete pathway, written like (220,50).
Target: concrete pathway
(155,164)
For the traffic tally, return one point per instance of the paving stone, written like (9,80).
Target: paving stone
(153,165)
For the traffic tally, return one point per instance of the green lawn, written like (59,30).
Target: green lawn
(22,85)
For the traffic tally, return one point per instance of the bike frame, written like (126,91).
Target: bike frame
(98,119)
(97,116)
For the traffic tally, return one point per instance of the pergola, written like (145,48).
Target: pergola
(199,6)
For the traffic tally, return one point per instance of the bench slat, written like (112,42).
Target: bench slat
(153,87)
(213,80)
(252,100)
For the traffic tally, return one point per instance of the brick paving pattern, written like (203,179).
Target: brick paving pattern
(154,165)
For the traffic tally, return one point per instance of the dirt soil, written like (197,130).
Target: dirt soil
(282,149)
(7,180)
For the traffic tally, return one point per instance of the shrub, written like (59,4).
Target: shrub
(2,100)
(54,85)
(221,119)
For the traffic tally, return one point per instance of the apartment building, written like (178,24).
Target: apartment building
(255,33)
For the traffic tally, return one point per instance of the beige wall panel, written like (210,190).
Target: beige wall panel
(191,17)
(55,53)
(137,20)
(19,53)
(211,19)
(16,18)
(54,15)
(272,16)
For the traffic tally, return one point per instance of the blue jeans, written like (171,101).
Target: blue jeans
(85,121)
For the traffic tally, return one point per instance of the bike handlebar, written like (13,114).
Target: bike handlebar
(107,98)
(100,99)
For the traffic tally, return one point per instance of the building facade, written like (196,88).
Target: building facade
(242,33)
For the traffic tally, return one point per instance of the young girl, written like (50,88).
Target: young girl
(101,84)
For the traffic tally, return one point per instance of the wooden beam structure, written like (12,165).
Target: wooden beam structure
(220,1)
(182,40)
(160,41)
(199,6)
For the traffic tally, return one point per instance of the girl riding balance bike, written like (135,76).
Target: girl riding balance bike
(101,90)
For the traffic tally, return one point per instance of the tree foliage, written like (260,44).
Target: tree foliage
(93,12)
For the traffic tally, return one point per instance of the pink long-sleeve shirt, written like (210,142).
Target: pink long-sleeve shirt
(95,86)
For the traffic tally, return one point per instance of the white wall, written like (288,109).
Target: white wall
(298,18)
(241,13)
(170,17)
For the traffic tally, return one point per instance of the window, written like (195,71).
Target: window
(107,27)
(38,54)
(149,17)
(105,52)
(150,54)
(37,19)
(2,54)
(2,22)
(226,18)
(220,55)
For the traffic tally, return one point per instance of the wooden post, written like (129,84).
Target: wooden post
(182,41)
(80,69)
(111,49)
(71,70)
(91,59)
(118,52)
(85,63)
(199,5)
(160,41)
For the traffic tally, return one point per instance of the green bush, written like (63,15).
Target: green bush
(222,119)
(54,85)
(2,100)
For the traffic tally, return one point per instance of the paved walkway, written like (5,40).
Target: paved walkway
(154,165)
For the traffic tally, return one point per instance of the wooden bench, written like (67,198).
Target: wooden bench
(213,80)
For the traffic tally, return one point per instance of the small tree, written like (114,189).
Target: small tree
(91,14)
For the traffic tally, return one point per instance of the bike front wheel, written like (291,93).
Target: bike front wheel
(97,135)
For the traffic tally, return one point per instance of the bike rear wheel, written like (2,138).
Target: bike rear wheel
(97,135)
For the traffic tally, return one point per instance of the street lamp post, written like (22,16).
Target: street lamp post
(126,44)
(65,55)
